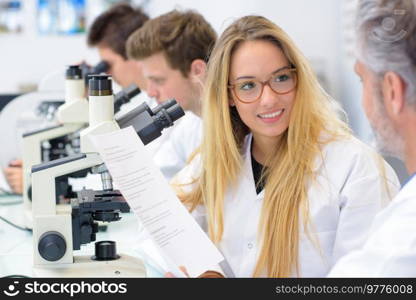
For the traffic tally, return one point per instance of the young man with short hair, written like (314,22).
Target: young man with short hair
(173,50)
(109,33)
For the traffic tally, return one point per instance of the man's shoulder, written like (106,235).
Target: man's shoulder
(190,119)
(188,126)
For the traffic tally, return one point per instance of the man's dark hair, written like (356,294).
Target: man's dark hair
(113,27)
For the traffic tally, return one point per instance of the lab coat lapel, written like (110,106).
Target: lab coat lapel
(239,224)
(245,187)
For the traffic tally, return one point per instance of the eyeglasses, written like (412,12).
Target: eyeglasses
(250,90)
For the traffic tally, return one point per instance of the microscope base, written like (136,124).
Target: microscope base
(84,267)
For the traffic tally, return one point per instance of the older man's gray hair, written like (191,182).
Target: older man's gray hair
(386,39)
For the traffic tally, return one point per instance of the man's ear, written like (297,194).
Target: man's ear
(198,70)
(394,90)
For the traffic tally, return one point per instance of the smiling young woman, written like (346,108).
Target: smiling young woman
(279,184)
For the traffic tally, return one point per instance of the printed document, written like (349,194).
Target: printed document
(180,239)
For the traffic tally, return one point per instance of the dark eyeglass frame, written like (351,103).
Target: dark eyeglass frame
(264,83)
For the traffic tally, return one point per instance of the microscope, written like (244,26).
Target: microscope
(73,115)
(62,140)
(87,71)
(59,230)
(47,109)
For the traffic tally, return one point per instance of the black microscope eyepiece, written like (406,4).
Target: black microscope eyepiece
(164,105)
(101,67)
(167,113)
(175,112)
(125,95)
(149,123)
(73,72)
(100,85)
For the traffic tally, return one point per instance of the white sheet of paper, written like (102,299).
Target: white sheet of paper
(181,241)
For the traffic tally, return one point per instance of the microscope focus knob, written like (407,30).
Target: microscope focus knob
(52,246)
(105,250)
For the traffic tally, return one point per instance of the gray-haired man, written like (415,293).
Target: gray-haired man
(386,64)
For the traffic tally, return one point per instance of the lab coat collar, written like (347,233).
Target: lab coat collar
(248,170)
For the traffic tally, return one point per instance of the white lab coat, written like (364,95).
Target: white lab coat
(185,137)
(344,199)
(390,250)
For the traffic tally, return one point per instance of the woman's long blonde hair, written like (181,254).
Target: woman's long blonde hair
(290,168)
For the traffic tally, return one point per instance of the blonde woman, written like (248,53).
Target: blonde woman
(279,184)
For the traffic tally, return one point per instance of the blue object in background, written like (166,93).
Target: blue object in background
(71,16)
(10,16)
(65,17)
(46,16)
